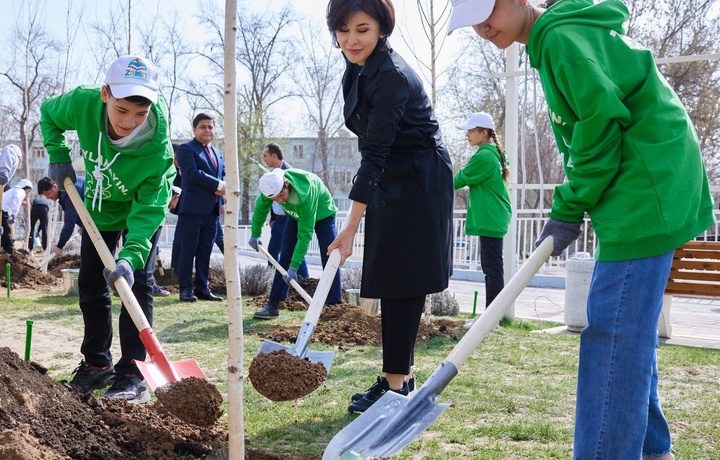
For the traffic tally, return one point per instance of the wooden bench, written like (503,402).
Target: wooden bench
(695,271)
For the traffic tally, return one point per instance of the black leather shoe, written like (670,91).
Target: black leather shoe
(207,295)
(187,296)
(376,392)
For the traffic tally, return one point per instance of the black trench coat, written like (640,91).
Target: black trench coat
(405,178)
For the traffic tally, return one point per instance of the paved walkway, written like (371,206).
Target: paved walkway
(695,320)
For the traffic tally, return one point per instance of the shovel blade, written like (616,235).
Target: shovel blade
(323,357)
(383,430)
(156,377)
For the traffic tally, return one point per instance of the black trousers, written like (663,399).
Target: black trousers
(491,261)
(6,241)
(400,322)
(39,214)
(96,307)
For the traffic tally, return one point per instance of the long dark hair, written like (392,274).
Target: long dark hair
(339,11)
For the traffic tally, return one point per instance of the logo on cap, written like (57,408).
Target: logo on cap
(136,69)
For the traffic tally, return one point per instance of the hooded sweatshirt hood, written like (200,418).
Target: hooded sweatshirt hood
(610,15)
(629,150)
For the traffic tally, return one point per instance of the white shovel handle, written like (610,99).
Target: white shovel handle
(495,311)
(282,271)
(123,288)
(323,288)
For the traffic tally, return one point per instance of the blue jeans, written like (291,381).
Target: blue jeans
(325,232)
(618,414)
(277,229)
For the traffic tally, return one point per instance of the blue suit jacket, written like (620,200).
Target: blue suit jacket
(200,179)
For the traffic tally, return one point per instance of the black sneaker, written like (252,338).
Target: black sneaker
(130,388)
(268,312)
(374,393)
(89,378)
(361,394)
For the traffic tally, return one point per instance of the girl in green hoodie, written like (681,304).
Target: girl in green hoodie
(488,207)
(633,164)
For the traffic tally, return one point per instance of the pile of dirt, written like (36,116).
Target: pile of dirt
(24,275)
(194,400)
(43,419)
(347,325)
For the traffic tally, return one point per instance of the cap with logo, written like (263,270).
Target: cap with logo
(272,183)
(467,13)
(133,76)
(478,120)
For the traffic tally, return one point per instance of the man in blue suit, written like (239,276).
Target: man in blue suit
(203,186)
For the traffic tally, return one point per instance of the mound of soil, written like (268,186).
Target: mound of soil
(24,275)
(43,419)
(194,400)
(347,325)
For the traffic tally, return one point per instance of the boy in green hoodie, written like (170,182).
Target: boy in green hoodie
(310,208)
(633,163)
(123,132)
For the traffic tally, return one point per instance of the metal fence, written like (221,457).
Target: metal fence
(466,249)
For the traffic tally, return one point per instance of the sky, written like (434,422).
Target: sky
(55,15)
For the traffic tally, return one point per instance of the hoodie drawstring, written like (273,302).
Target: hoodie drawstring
(98,175)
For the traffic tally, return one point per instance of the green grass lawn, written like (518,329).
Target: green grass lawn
(513,399)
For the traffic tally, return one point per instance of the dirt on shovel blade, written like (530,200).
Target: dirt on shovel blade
(280,376)
(191,399)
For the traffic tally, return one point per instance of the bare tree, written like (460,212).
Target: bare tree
(265,56)
(317,78)
(434,16)
(30,68)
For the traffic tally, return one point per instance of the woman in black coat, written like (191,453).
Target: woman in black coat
(404,185)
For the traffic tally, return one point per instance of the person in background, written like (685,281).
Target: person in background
(274,158)
(12,201)
(123,131)
(310,208)
(203,185)
(403,187)
(488,205)
(633,164)
(49,189)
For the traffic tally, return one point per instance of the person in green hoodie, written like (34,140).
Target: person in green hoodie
(310,208)
(633,164)
(488,206)
(123,131)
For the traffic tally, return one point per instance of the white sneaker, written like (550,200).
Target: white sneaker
(667,456)
(469,323)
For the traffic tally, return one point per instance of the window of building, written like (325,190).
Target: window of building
(298,152)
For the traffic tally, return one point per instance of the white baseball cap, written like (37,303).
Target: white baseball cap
(478,120)
(133,76)
(467,13)
(272,183)
(24,183)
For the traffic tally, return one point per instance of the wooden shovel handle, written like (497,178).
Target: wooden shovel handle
(282,271)
(495,311)
(123,288)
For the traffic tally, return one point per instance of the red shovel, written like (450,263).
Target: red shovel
(159,370)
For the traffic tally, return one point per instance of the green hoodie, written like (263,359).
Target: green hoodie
(630,152)
(309,202)
(134,190)
(489,209)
